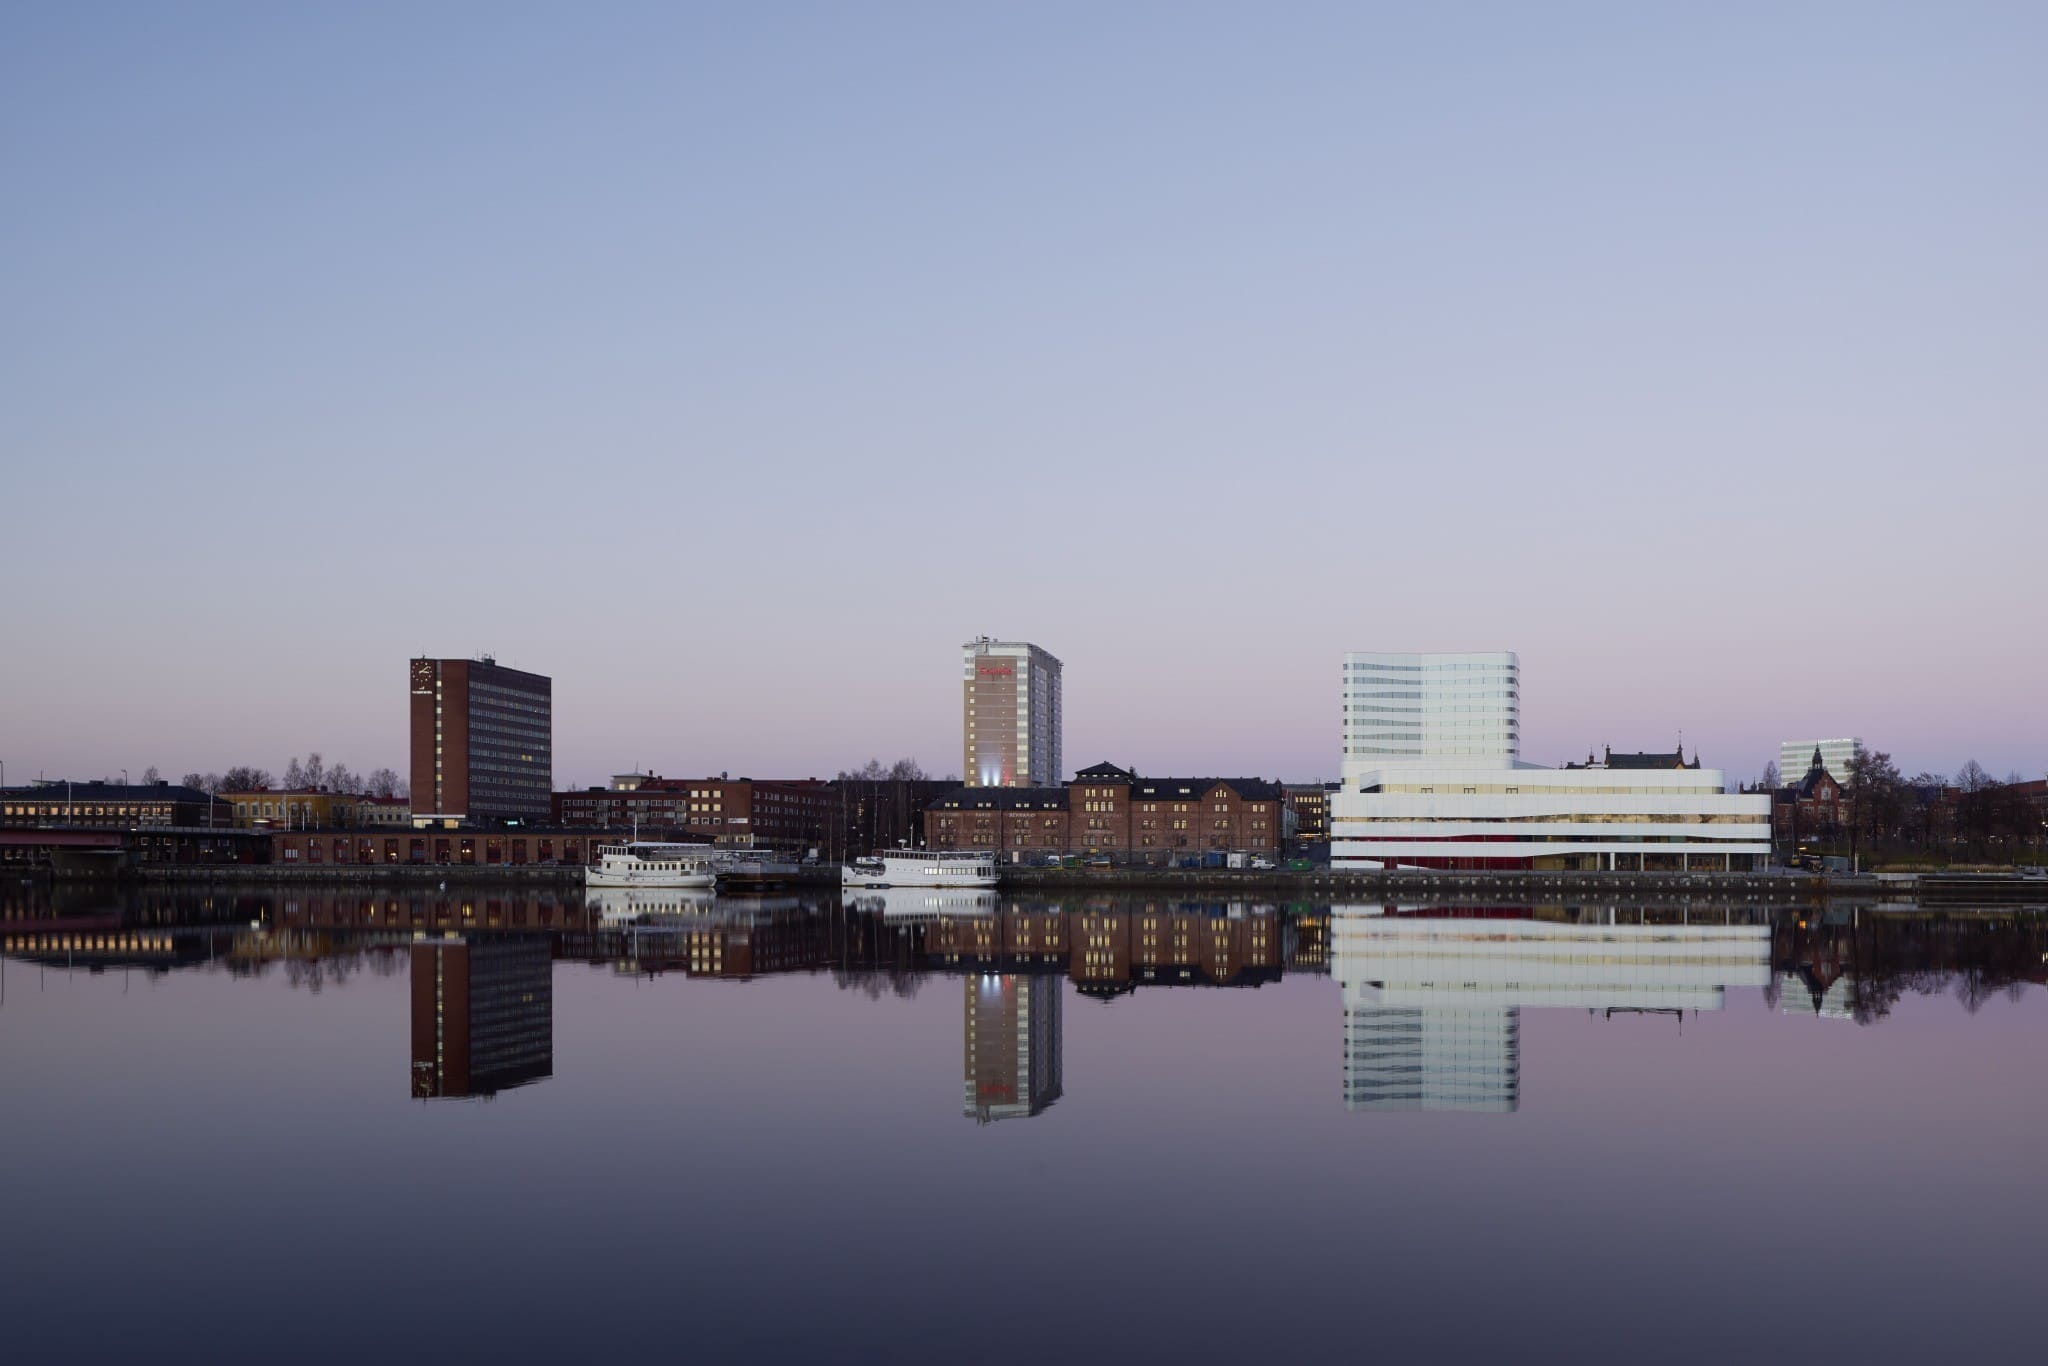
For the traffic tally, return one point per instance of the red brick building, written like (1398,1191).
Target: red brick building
(1111,810)
(1814,806)
(1310,803)
(790,814)
(512,848)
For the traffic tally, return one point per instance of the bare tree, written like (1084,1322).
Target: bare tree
(875,771)
(196,780)
(1972,777)
(382,782)
(1880,795)
(151,776)
(1769,781)
(316,771)
(341,779)
(243,778)
(294,775)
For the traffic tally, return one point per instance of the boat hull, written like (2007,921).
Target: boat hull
(949,870)
(627,881)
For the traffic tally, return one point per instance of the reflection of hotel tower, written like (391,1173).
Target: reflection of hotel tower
(1432,1006)
(1013,1044)
(483,1015)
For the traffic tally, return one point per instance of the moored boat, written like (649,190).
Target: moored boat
(921,868)
(643,863)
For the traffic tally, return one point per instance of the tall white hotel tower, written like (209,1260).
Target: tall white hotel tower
(1010,715)
(1433,778)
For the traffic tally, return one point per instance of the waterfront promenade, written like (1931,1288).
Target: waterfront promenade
(1319,883)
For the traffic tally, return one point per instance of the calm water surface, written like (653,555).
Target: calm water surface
(264,1125)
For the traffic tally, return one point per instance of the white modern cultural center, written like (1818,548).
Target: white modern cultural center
(1433,778)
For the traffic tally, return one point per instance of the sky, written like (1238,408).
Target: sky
(733,364)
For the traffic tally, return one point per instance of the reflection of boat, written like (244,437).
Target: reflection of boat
(625,905)
(754,867)
(745,905)
(641,863)
(920,903)
(922,868)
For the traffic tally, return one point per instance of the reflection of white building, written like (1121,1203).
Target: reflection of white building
(1432,1004)
(1433,778)
(1427,1057)
(1799,994)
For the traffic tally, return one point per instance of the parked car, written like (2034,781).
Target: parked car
(1099,861)
(1262,863)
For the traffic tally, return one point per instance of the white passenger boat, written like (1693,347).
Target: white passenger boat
(642,863)
(921,868)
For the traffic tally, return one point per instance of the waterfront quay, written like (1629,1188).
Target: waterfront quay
(1320,883)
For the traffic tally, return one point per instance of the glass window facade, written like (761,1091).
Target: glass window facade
(1432,706)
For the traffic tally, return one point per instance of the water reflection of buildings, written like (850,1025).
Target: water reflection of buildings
(1013,1044)
(1432,1003)
(483,1016)
(1107,951)
(736,940)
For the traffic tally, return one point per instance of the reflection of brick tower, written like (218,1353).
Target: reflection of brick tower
(1013,1044)
(483,1015)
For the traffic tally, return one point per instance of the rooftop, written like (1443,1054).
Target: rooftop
(52,789)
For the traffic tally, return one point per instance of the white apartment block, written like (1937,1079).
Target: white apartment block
(1795,757)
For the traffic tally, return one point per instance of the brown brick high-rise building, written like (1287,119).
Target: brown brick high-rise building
(482,743)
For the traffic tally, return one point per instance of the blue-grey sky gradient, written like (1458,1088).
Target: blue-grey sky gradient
(734,363)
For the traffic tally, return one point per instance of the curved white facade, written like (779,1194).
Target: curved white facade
(1422,815)
(1432,779)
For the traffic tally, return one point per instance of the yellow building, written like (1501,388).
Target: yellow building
(303,809)
(380,811)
